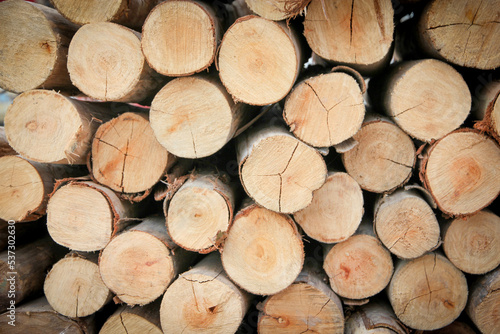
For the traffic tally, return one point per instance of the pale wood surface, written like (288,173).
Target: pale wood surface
(376,317)
(269,9)
(137,319)
(484,302)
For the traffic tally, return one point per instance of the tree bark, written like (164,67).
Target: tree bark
(384,158)
(126,156)
(336,210)
(35,42)
(427,293)
(406,224)
(105,62)
(35,116)
(487,110)
(263,251)
(357,34)
(278,171)
(140,263)
(461,172)
(195,117)
(28,184)
(471,243)
(373,318)
(5,148)
(137,319)
(204,299)
(259,60)
(74,288)
(426,98)
(359,267)
(484,302)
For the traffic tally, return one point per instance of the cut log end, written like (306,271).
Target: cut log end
(126,320)
(335,212)
(383,159)
(359,267)
(271,10)
(180,37)
(74,287)
(461,172)
(89,11)
(325,110)
(466,37)
(471,243)
(263,252)
(259,60)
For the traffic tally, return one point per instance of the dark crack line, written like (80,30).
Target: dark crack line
(350,23)
(113,146)
(411,108)
(398,163)
(281,189)
(400,238)
(201,282)
(316,94)
(123,324)
(291,157)
(477,11)
(322,307)
(77,293)
(195,299)
(124,164)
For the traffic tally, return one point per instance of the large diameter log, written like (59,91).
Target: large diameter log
(336,210)
(406,224)
(74,287)
(325,110)
(46,126)
(427,293)
(138,319)
(5,148)
(180,38)
(384,157)
(195,117)
(462,32)
(140,263)
(359,267)
(83,216)
(38,317)
(259,60)
(484,303)
(28,185)
(376,317)
(461,171)
(130,13)
(199,211)
(203,299)
(23,269)
(105,62)
(471,243)
(34,40)
(426,98)
(307,305)
(356,33)
(126,156)
(263,251)
(487,110)
(277,170)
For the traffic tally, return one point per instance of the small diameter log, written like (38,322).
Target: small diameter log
(203,299)
(259,60)
(277,170)
(426,98)
(137,319)
(126,156)
(484,303)
(406,224)
(358,34)
(325,110)
(130,13)
(263,251)
(427,293)
(180,38)
(28,185)
(46,126)
(376,317)
(34,42)
(271,9)
(359,267)
(384,157)
(199,211)
(5,148)
(336,210)
(462,32)
(461,171)
(37,316)
(105,62)
(23,275)
(488,110)
(140,263)
(83,216)
(74,287)
(472,243)
(195,117)
(307,305)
